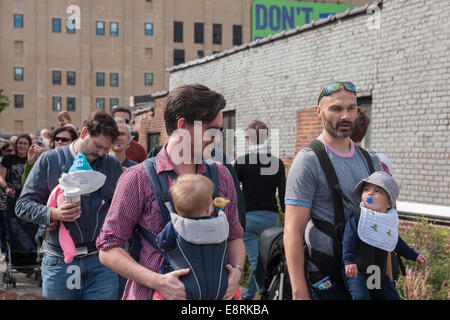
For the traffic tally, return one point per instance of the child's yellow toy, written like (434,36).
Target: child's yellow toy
(220,202)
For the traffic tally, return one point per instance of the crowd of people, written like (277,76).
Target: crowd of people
(144,233)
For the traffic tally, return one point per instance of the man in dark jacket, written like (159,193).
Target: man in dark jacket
(83,219)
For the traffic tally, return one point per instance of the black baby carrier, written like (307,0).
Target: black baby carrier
(331,265)
(200,282)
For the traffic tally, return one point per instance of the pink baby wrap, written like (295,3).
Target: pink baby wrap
(55,200)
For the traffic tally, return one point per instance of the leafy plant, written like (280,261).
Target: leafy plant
(429,282)
(4,101)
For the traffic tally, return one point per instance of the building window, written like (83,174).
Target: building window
(229,123)
(100,79)
(56,22)
(18,21)
(177,31)
(56,104)
(100,28)
(366,104)
(71,78)
(198,32)
(114,79)
(56,75)
(100,103)
(178,56)
(148,79)
(217,33)
(70,26)
(153,139)
(113,102)
(148,29)
(200,54)
(18,74)
(18,101)
(237,35)
(18,48)
(70,104)
(148,54)
(114,29)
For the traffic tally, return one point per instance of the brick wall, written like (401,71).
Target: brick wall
(403,65)
(309,127)
(147,123)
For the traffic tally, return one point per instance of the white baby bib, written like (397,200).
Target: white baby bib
(378,229)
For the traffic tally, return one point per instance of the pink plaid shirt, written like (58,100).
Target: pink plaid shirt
(134,203)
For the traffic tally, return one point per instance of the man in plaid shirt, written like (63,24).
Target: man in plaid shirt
(134,202)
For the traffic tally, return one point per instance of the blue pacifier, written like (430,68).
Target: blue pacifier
(369,199)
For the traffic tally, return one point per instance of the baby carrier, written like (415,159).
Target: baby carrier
(207,279)
(331,265)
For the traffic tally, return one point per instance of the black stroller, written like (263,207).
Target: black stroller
(271,274)
(21,247)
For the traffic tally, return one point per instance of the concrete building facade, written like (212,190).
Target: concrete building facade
(396,52)
(110,51)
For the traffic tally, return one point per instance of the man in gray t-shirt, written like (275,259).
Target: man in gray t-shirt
(308,194)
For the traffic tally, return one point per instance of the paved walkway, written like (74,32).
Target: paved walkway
(24,284)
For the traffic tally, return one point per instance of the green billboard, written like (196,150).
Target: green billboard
(269,17)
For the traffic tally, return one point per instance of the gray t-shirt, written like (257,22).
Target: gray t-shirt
(307,186)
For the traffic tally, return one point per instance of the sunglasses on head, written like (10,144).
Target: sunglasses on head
(62,139)
(336,86)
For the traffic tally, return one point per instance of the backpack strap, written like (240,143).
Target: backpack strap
(333,182)
(368,159)
(65,159)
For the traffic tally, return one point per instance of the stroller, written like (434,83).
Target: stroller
(271,273)
(21,247)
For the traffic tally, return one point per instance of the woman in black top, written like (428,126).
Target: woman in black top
(261,175)
(12,166)
(21,233)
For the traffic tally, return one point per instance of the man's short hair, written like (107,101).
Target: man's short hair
(121,109)
(193,102)
(192,194)
(64,114)
(100,122)
(361,125)
(127,127)
(256,126)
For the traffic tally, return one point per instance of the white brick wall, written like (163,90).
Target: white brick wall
(405,65)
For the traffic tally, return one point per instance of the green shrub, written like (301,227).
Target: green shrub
(434,243)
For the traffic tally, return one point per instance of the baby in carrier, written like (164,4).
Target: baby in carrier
(368,240)
(196,238)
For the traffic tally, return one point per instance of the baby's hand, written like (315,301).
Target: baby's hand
(421,260)
(351,270)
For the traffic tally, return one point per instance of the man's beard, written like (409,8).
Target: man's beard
(333,131)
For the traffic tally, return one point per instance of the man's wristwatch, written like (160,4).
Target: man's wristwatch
(236,266)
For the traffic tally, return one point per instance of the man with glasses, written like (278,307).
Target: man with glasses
(308,195)
(135,151)
(193,118)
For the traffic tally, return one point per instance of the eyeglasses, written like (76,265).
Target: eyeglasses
(336,86)
(215,129)
(8,150)
(62,139)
